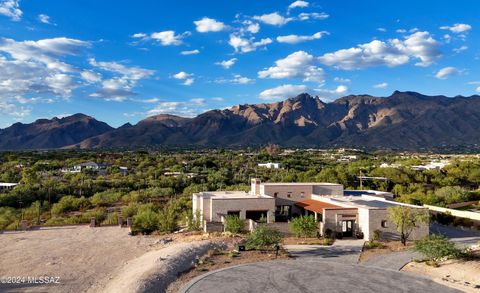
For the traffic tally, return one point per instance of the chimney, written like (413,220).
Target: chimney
(255,186)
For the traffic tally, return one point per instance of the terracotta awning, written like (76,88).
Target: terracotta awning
(316,206)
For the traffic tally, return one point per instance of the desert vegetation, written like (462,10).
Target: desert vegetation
(157,186)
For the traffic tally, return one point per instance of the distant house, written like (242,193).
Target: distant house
(386,165)
(123,170)
(7,186)
(86,166)
(269,165)
(347,158)
(179,174)
(434,165)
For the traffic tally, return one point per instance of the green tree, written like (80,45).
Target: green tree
(167,219)
(263,238)
(406,219)
(145,222)
(304,226)
(234,224)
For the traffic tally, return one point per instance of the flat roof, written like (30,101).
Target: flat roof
(366,203)
(8,184)
(317,206)
(301,183)
(231,195)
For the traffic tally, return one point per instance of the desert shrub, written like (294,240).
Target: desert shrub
(63,221)
(7,217)
(130,210)
(373,244)
(98,213)
(167,219)
(194,222)
(70,203)
(111,219)
(234,224)
(263,238)
(377,235)
(328,241)
(435,247)
(105,198)
(304,226)
(145,222)
(451,194)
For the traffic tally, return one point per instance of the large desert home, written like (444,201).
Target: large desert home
(351,213)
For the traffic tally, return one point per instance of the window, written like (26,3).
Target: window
(233,213)
(302,194)
(289,194)
(384,224)
(275,194)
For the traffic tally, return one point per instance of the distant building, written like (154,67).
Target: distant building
(386,165)
(123,170)
(7,186)
(86,166)
(347,158)
(179,174)
(434,165)
(269,165)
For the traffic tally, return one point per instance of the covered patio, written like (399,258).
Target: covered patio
(315,207)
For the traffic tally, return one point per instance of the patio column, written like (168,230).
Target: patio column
(316,217)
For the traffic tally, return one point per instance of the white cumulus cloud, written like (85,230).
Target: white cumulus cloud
(11,9)
(189,108)
(457,28)
(190,52)
(312,15)
(282,92)
(244,45)
(382,85)
(167,38)
(227,63)
(295,39)
(206,25)
(273,19)
(446,72)
(394,52)
(187,78)
(43,18)
(296,65)
(120,86)
(298,3)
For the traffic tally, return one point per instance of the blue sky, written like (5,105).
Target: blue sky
(121,61)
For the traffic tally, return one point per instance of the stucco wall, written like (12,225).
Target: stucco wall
(328,189)
(331,217)
(283,191)
(221,207)
(375,218)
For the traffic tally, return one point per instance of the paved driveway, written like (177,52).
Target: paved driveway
(457,235)
(305,275)
(347,251)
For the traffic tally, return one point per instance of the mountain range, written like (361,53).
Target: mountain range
(401,121)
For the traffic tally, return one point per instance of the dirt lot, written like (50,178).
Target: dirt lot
(462,275)
(81,256)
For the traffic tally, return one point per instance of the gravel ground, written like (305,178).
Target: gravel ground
(155,270)
(82,257)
